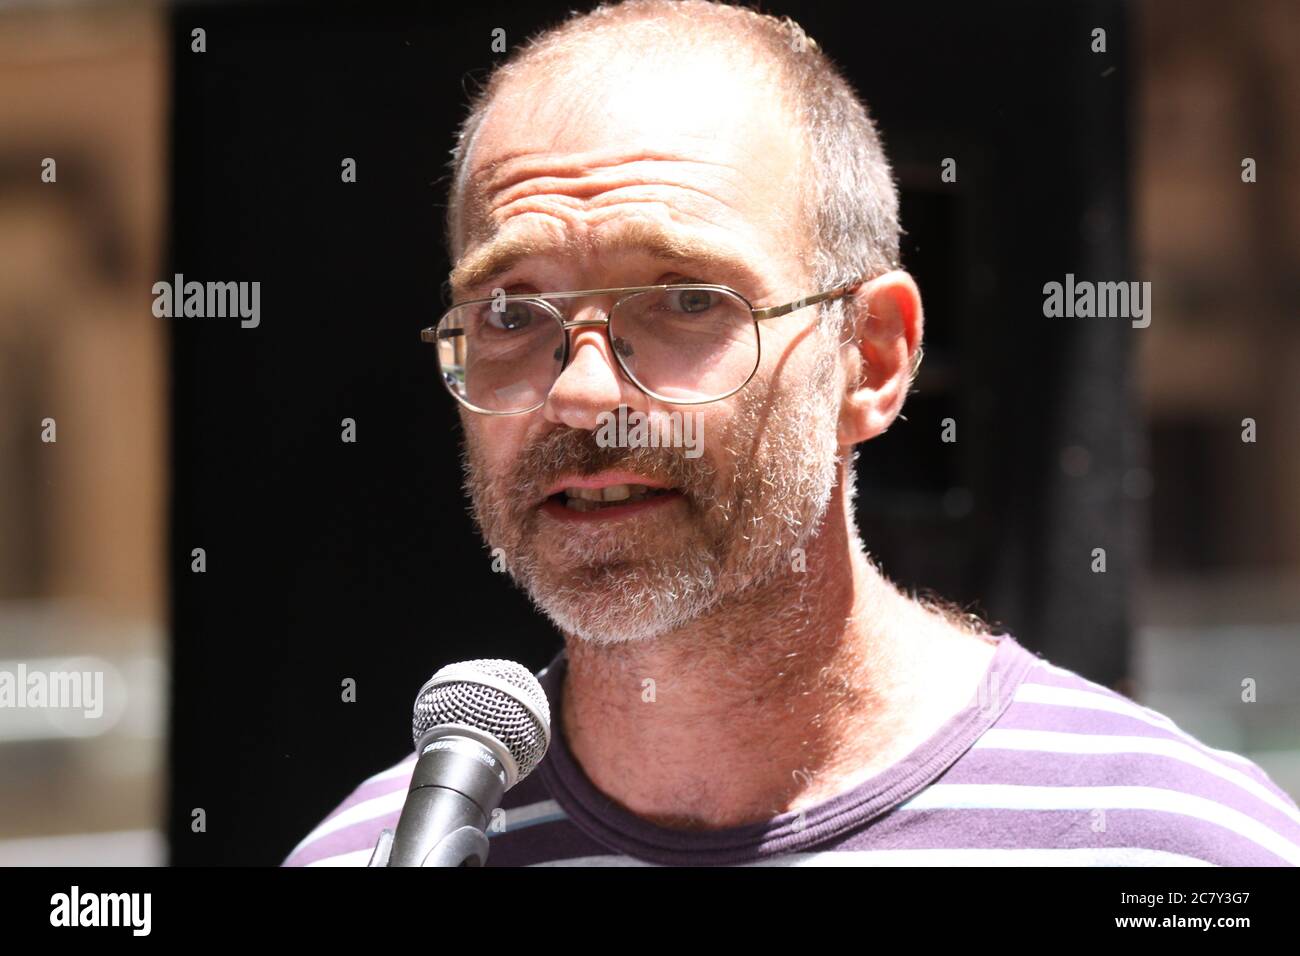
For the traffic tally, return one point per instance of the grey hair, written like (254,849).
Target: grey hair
(851,194)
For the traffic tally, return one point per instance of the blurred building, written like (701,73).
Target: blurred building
(1220,84)
(81,586)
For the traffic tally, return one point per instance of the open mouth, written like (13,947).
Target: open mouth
(585,500)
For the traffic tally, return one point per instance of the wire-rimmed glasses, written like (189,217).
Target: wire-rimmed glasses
(682,344)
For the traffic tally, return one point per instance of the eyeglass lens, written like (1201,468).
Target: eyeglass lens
(681,345)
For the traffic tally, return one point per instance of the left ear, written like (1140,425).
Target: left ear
(878,361)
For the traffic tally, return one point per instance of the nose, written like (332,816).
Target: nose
(592,382)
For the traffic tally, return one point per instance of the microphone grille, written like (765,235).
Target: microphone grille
(500,698)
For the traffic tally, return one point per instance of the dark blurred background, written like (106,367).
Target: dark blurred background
(328,560)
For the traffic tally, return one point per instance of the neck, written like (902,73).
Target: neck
(778,698)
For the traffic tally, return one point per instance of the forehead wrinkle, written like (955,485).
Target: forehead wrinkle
(490,189)
(639,236)
(514,170)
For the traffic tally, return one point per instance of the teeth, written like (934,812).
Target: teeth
(609,493)
(615,493)
(592,499)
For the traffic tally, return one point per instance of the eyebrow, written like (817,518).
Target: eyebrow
(649,239)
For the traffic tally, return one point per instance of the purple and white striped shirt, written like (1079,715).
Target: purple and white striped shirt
(1050,770)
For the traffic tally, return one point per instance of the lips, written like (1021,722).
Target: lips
(608,495)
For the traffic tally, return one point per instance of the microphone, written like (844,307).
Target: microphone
(479,728)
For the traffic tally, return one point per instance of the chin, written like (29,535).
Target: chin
(623,605)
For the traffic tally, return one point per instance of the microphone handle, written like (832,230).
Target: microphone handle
(456,785)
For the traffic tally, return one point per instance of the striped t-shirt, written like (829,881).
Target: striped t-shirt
(1047,769)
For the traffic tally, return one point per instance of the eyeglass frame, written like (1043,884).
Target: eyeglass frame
(429,335)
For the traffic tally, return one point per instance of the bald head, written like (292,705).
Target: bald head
(745,95)
(676,139)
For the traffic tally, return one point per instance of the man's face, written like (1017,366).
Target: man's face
(696,153)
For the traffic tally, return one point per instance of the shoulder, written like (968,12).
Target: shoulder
(1081,755)
(349,832)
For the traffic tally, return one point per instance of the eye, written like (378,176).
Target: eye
(511,317)
(691,301)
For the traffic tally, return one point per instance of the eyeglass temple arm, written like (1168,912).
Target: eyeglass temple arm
(779,310)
